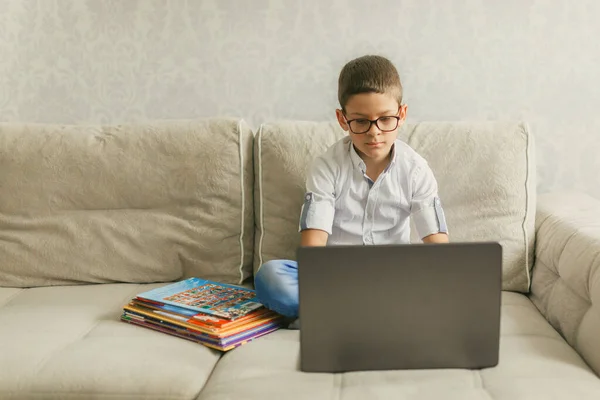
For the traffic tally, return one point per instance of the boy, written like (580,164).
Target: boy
(365,187)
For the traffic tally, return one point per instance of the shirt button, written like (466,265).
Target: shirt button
(368,237)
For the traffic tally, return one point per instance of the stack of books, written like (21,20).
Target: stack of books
(214,314)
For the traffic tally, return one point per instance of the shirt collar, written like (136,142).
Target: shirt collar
(393,157)
(356,160)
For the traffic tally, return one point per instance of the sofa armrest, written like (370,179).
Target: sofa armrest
(565,285)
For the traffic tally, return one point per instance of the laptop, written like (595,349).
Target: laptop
(413,306)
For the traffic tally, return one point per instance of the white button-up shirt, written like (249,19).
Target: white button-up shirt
(343,201)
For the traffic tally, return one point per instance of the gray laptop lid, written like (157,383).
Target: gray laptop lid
(399,306)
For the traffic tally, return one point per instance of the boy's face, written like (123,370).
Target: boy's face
(375,143)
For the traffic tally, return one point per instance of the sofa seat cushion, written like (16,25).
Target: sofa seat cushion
(535,363)
(68,342)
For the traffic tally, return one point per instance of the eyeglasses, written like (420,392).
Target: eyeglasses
(363,125)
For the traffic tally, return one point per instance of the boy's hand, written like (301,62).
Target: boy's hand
(436,238)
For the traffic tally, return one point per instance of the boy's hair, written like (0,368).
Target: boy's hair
(369,74)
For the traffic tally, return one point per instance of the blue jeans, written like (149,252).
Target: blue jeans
(276,284)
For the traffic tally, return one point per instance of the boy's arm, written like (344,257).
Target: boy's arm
(316,216)
(436,238)
(426,208)
(313,237)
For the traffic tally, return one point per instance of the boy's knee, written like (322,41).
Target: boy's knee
(275,287)
(267,273)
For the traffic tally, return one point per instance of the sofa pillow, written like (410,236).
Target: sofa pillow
(148,202)
(485,172)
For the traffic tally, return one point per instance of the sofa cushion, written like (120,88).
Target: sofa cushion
(129,203)
(485,172)
(68,343)
(535,363)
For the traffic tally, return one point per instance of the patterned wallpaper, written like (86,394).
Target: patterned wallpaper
(111,61)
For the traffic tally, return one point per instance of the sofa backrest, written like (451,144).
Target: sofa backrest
(130,203)
(485,172)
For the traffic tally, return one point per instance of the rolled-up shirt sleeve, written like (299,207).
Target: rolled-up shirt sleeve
(426,208)
(318,207)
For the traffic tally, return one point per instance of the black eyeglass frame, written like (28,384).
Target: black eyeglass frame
(373,121)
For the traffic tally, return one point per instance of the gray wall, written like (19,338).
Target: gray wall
(101,61)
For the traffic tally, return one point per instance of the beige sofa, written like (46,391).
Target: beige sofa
(92,215)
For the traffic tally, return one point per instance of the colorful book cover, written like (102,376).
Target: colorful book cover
(201,295)
(229,344)
(196,326)
(211,345)
(184,312)
(221,341)
(194,317)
